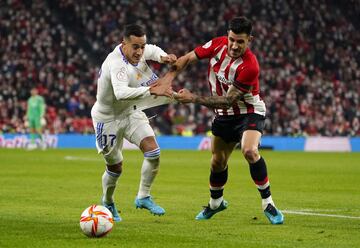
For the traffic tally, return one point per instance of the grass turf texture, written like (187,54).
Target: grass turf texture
(42,195)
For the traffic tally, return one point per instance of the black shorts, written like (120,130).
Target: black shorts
(230,128)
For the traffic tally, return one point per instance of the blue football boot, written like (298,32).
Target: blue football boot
(207,212)
(274,215)
(113,210)
(150,205)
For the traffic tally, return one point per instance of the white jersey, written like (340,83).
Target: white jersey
(123,88)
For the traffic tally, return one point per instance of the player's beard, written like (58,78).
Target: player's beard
(135,59)
(236,53)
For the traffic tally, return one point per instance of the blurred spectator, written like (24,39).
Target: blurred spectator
(309,53)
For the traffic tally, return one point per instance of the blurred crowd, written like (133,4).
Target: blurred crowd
(309,53)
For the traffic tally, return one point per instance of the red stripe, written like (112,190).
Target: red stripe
(219,90)
(249,107)
(216,184)
(236,109)
(263,182)
(225,89)
(94,226)
(216,68)
(227,69)
(217,65)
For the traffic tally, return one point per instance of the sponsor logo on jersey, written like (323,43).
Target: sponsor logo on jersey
(223,80)
(153,78)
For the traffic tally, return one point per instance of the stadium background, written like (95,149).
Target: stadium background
(309,55)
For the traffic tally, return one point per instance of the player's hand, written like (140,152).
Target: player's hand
(184,96)
(162,83)
(168,59)
(161,89)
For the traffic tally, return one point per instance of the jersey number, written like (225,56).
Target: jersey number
(105,138)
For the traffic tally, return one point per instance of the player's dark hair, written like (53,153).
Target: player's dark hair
(134,29)
(240,25)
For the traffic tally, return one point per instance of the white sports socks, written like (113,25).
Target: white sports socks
(149,170)
(109,181)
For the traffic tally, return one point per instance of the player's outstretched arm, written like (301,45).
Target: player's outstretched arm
(168,59)
(182,63)
(176,68)
(232,96)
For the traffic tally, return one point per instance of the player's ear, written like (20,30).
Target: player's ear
(250,38)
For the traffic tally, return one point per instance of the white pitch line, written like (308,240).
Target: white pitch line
(318,214)
(81,158)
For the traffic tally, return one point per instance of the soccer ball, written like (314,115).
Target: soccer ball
(96,221)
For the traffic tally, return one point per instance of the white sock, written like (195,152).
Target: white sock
(149,170)
(215,203)
(265,202)
(109,181)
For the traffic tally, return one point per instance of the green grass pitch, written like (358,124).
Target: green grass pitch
(42,194)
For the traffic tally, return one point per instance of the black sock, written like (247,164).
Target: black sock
(217,182)
(258,173)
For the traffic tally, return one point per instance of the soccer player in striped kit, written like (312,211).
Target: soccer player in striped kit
(126,85)
(233,75)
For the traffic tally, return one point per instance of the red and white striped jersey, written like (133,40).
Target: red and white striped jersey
(224,71)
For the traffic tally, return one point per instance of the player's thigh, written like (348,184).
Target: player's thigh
(250,140)
(221,150)
(140,133)
(109,141)
(253,128)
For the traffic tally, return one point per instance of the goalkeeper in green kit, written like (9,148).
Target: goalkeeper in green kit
(35,117)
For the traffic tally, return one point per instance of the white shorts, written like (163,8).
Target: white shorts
(109,136)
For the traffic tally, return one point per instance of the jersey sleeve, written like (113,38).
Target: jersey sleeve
(120,83)
(246,79)
(207,50)
(153,52)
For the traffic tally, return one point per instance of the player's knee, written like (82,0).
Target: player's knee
(153,155)
(218,162)
(251,154)
(115,168)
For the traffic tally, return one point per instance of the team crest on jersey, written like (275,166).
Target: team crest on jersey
(207,45)
(138,76)
(121,75)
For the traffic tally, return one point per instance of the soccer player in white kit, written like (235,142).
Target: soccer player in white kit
(126,86)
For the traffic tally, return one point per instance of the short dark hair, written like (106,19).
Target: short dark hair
(134,29)
(240,25)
